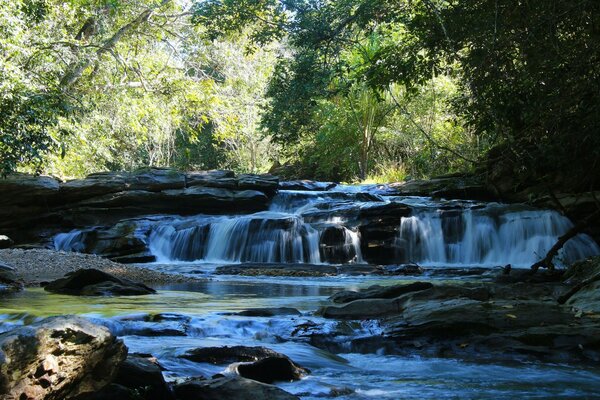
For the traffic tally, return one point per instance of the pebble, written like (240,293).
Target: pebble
(34,266)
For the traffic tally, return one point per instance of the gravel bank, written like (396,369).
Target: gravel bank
(39,265)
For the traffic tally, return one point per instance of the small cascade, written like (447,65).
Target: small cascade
(70,241)
(348,224)
(352,240)
(489,236)
(262,237)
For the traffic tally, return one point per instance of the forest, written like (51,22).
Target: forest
(352,91)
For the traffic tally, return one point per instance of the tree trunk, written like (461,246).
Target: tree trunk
(77,68)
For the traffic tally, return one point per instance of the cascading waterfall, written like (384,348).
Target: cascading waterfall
(70,241)
(322,227)
(487,237)
(264,237)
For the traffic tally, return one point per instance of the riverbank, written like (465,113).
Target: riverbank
(35,266)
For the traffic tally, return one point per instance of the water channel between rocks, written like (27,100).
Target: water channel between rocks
(320,228)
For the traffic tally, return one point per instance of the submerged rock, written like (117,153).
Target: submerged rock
(230,388)
(268,312)
(58,358)
(93,282)
(229,354)
(270,369)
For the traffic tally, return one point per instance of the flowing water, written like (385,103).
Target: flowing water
(434,233)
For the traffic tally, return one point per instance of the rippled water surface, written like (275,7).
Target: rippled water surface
(199,314)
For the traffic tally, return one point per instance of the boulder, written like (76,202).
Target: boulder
(334,246)
(5,242)
(58,358)
(378,227)
(143,375)
(270,369)
(230,388)
(93,282)
(229,354)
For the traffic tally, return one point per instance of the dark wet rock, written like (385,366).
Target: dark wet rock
(380,292)
(230,388)
(93,282)
(270,369)
(254,269)
(334,246)
(268,312)
(58,358)
(6,242)
(111,392)
(378,227)
(306,185)
(144,376)
(229,354)
(117,242)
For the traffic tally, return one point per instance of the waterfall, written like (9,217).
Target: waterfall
(263,237)
(490,236)
(70,241)
(333,227)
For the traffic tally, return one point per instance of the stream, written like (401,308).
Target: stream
(436,234)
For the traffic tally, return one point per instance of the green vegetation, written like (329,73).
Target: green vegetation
(333,89)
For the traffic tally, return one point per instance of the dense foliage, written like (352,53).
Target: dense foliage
(527,72)
(332,89)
